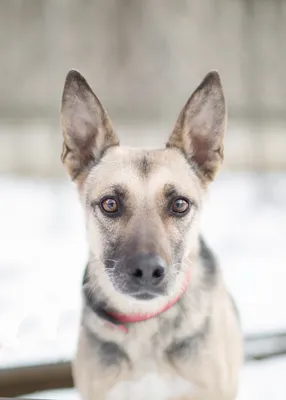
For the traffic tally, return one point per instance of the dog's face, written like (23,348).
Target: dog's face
(142,206)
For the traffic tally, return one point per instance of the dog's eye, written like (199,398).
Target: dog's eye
(180,206)
(109,205)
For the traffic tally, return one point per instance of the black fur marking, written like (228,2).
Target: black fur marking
(179,319)
(98,307)
(209,262)
(144,165)
(183,348)
(109,353)
(85,276)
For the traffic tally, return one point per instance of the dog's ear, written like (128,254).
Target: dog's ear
(87,129)
(200,127)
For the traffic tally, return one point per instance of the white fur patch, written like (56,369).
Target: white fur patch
(151,386)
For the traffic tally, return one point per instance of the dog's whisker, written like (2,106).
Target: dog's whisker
(102,261)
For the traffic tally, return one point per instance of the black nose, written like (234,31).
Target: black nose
(146,270)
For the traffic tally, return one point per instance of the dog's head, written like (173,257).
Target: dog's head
(142,206)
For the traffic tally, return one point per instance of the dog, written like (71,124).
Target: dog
(157,321)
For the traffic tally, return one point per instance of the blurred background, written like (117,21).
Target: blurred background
(143,59)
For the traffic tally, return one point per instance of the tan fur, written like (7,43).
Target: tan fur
(213,374)
(96,162)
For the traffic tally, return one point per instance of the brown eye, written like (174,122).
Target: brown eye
(109,205)
(180,206)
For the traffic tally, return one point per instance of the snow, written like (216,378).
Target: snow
(264,380)
(43,254)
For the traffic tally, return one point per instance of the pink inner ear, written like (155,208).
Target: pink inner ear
(201,147)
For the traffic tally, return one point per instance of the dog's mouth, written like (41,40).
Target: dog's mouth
(145,295)
(139,292)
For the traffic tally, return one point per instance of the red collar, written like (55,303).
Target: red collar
(122,319)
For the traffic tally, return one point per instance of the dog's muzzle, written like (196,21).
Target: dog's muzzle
(115,318)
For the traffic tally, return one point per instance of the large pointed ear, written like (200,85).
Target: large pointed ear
(86,127)
(199,130)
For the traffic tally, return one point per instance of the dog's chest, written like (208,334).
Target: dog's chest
(151,385)
(148,342)
(153,378)
(142,358)
(141,363)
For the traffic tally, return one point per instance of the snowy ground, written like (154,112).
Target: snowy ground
(43,253)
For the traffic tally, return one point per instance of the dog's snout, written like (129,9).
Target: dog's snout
(147,270)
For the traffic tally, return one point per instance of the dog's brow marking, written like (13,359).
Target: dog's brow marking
(119,190)
(144,165)
(114,190)
(169,190)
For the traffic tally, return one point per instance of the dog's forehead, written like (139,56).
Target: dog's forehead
(142,168)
